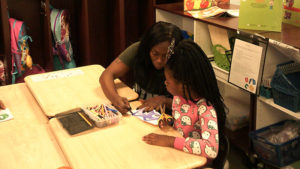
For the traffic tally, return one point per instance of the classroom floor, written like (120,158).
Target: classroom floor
(237,159)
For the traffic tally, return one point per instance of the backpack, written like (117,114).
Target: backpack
(2,73)
(21,60)
(62,48)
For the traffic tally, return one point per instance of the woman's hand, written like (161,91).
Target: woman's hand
(153,103)
(121,103)
(159,140)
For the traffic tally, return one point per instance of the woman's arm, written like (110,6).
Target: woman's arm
(115,70)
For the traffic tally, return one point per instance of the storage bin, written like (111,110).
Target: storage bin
(112,117)
(286,86)
(265,92)
(222,57)
(278,155)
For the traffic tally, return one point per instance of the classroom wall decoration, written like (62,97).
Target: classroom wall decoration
(291,14)
(260,15)
(246,65)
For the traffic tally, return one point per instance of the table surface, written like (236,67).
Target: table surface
(26,141)
(121,146)
(61,91)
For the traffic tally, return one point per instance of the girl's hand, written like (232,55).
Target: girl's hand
(121,103)
(152,103)
(159,140)
(2,106)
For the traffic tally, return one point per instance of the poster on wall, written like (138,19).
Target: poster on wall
(261,15)
(246,65)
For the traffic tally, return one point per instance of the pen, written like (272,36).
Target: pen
(86,120)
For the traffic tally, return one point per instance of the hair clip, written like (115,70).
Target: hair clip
(171,48)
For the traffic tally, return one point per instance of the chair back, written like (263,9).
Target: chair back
(224,147)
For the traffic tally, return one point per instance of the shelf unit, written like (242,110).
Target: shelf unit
(263,111)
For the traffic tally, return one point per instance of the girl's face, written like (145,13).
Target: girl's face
(158,54)
(173,86)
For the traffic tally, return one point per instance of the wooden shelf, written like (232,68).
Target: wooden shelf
(287,111)
(289,35)
(223,22)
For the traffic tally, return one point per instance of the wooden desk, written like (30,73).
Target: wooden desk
(26,141)
(64,90)
(121,146)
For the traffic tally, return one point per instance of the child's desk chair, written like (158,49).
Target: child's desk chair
(221,162)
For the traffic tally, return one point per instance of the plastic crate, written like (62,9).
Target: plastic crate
(278,155)
(286,86)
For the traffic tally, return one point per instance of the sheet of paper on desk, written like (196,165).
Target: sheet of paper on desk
(5,115)
(149,117)
(56,75)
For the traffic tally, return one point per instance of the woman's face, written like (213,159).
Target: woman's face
(158,54)
(173,86)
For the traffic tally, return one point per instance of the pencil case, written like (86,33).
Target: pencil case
(102,114)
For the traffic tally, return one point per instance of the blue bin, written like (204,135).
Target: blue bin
(277,155)
(286,86)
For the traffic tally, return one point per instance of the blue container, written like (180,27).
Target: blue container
(278,155)
(286,86)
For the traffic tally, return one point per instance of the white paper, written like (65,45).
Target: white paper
(245,65)
(149,117)
(56,75)
(5,115)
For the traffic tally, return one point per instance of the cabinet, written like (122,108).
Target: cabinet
(262,111)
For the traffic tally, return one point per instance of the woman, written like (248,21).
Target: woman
(146,59)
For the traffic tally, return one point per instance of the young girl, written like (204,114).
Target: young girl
(197,108)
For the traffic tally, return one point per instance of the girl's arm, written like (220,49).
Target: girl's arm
(2,106)
(206,144)
(115,70)
(159,140)
(204,140)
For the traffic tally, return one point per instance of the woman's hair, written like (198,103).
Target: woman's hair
(145,74)
(190,66)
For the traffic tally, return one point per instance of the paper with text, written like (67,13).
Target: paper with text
(245,65)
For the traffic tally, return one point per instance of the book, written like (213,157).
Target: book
(202,4)
(197,4)
(261,15)
(5,115)
(214,11)
(149,117)
(291,13)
